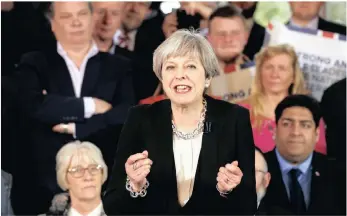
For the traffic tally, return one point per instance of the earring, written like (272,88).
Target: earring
(206,84)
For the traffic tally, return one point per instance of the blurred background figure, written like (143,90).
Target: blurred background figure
(306,15)
(277,75)
(108,19)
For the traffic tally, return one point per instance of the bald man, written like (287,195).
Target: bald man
(262,179)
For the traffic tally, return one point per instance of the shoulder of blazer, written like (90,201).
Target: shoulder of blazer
(224,107)
(116,63)
(331,26)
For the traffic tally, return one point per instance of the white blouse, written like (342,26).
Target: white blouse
(99,210)
(186,154)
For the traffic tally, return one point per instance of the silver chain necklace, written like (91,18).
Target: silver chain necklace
(196,131)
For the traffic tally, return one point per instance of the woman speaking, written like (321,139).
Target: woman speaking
(190,153)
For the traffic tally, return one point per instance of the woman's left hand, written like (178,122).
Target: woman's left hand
(229,177)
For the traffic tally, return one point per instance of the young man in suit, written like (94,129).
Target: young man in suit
(306,15)
(73,92)
(302,181)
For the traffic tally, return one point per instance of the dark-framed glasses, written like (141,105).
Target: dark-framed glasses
(78,171)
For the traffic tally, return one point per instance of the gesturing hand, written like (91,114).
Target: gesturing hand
(229,177)
(137,168)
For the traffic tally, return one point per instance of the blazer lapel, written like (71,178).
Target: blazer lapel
(91,74)
(61,75)
(207,167)
(163,150)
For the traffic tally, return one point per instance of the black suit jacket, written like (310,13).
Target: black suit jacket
(148,127)
(255,41)
(322,201)
(106,77)
(333,106)
(331,27)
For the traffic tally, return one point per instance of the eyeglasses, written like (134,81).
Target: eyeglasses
(78,172)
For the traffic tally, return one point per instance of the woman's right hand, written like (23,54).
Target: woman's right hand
(137,168)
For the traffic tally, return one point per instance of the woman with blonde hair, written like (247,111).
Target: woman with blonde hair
(278,75)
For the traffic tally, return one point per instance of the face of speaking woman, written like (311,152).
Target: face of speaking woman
(184,80)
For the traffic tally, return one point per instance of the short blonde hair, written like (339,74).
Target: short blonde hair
(257,88)
(79,149)
(186,43)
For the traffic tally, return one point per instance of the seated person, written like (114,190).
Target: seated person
(81,170)
(262,180)
(302,180)
(277,75)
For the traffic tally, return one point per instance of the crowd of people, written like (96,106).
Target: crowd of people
(107,110)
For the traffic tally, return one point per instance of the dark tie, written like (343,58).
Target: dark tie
(296,195)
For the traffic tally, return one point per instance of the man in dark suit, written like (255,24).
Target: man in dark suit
(302,181)
(141,35)
(306,15)
(72,92)
(333,106)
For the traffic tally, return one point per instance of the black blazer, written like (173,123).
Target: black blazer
(333,107)
(322,187)
(106,77)
(255,41)
(331,27)
(148,127)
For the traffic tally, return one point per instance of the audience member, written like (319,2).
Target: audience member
(81,171)
(141,35)
(72,92)
(257,32)
(302,180)
(108,19)
(262,180)
(306,15)
(277,75)
(333,107)
(228,35)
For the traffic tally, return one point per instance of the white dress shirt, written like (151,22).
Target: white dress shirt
(131,42)
(186,154)
(99,210)
(77,75)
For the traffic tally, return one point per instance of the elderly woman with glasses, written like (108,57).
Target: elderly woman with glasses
(190,153)
(81,170)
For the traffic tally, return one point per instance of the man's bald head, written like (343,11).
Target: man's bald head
(262,176)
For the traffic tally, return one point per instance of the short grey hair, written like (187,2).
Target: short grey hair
(183,43)
(78,149)
(50,10)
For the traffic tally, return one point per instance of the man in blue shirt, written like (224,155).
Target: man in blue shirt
(302,180)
